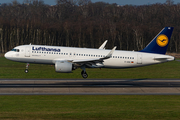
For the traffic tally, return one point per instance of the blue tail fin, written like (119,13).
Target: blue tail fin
(160,43)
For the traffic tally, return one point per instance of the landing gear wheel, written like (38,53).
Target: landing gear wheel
(27,66)
(26,71)
(84,74)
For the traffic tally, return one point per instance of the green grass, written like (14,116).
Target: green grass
(10,69)
(89,107)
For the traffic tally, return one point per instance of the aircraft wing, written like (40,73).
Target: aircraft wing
(94,62)
(86,60)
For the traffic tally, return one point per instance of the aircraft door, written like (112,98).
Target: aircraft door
(139,58)
(27,51)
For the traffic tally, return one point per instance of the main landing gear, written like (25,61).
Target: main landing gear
(27,66)
(83,73)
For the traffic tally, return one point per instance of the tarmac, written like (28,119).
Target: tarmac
(90,86)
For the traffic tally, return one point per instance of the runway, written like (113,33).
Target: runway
(90,86)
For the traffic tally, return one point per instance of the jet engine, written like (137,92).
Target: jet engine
(63,67)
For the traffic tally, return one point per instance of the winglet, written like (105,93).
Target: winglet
(103,45)
(110,53)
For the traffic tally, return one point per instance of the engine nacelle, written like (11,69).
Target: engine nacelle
(63,67)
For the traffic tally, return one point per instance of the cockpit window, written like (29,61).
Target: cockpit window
(16,50)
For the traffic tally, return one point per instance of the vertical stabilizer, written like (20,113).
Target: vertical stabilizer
(160,43)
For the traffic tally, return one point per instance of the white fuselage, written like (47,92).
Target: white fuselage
(42,54)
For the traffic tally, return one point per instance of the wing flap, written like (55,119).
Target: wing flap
(85,60)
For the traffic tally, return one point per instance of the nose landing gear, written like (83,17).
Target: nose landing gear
(27,66)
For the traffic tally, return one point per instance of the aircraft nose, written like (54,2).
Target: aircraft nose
(7,55)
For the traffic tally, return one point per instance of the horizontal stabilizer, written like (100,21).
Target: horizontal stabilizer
(160,58)
(164,58)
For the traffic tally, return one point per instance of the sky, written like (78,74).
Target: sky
(119,2)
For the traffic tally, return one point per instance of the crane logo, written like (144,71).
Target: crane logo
(162,40)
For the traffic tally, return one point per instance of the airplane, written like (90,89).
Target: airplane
(67,59)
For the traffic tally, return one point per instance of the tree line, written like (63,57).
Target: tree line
(81,23)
